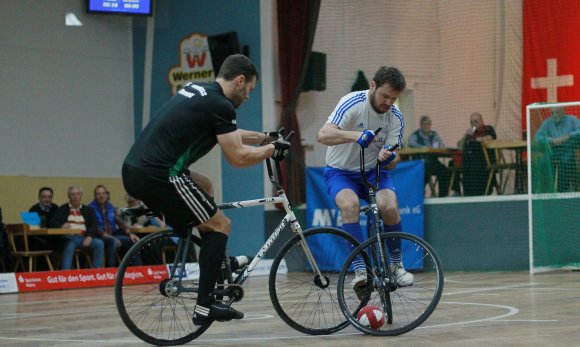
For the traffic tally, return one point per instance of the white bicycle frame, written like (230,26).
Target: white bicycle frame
(290,217)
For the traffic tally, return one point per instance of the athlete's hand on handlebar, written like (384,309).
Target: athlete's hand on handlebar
(282,146)
(388,154)
(271,136)
(366,138)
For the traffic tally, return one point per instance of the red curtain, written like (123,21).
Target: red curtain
(296,26)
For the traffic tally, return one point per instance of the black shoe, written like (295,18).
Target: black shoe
(239,262)
(216,311)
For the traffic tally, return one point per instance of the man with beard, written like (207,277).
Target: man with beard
(156,170)
(351,125)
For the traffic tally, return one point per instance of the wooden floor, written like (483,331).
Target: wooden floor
(477,309)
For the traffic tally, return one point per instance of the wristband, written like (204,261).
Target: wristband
(390,158)
(265,138)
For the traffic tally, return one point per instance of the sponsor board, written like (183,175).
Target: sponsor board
(103,277)
(86,278)
(8,283)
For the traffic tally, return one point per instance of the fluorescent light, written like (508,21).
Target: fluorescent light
(71,20)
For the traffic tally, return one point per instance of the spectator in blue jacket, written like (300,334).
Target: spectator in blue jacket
(110,227)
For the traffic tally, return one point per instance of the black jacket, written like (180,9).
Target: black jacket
(61,217)
(45,217)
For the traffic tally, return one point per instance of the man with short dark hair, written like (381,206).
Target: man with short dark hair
(45,207)
(156,170)
(350,126)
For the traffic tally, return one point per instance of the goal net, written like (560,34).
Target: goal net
(554,183)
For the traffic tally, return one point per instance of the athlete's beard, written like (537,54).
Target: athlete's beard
(374,103)
(238,98)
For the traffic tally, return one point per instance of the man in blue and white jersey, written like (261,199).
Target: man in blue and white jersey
(350,126)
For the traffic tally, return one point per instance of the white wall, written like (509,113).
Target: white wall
(66,93)
(458,57)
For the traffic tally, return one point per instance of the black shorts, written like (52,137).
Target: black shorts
(181,201)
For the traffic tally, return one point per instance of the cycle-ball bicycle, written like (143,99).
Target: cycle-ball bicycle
(403,307)
(302,281)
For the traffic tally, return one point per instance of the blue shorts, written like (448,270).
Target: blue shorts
(338,179)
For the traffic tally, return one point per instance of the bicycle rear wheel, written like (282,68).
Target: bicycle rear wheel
(303,300)
(151,305)
(404,308)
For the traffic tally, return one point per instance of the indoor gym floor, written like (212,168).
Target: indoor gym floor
(476,309)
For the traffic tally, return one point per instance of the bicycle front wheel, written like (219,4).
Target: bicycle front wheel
(155,307)
(403,307)
(304,300)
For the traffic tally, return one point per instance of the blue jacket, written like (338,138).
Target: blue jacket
(109,214)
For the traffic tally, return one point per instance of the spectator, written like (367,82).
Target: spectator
(46,210)
(75,215)
(141,221)
(110,228)
(45,207)
(135,222)
(4,249)
(560,134)
(425,137)
(475,171)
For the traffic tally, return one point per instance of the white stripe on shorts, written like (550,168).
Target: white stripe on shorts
(190,199)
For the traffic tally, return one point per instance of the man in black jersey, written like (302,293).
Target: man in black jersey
(183,130)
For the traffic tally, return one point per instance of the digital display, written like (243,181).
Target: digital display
(136,7)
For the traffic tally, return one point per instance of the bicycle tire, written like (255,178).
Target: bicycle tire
(409,306)
(292,290)
(147,309)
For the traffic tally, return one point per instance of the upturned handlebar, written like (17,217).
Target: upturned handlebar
(274,173)
(371,186)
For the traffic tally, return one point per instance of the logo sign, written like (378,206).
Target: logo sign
(191,271)
(86,278)
(8,283)
(195,64)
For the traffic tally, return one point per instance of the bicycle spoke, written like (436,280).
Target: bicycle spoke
(159,313)
(405,307)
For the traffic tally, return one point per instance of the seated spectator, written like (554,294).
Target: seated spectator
(110,228)
(475,173)
(46,210)
(45,207)
(75,215)
(560,133)
(141,221)
(425,137)
(4,249)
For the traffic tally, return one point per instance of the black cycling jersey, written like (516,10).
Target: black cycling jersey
(183,130)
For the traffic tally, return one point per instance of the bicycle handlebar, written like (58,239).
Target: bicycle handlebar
(375,186)
(275,177)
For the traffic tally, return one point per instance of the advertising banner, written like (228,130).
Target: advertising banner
(408,179)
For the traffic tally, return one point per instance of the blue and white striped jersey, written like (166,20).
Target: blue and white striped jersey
(355,113)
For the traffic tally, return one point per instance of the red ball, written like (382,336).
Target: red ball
(371,316)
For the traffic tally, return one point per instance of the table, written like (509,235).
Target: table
(518,146)
(60,231)
(147,230)
(409,152)
(53,231)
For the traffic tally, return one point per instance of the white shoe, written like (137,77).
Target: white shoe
(403,278)
(359,283)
